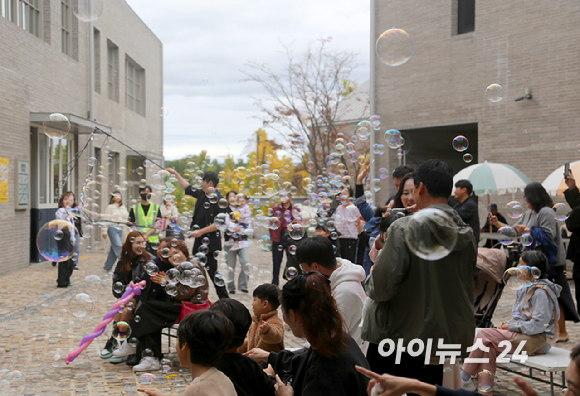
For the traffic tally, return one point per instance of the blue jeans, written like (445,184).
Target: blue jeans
(244,258)
(115,238)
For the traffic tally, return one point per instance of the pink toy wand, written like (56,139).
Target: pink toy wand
(131,291)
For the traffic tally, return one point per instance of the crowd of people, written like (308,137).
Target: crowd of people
(358,290)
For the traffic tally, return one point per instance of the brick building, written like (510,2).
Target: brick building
(460,48)
(44,69)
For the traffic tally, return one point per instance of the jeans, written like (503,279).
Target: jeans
(115,238)
(244,258)
(277,256)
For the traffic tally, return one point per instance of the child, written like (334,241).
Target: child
(267,330)
(534,316)
(323,231)
(65,268)
(202,339)
(247,375)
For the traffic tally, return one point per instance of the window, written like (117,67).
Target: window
(25,13)
(135,87)
(133,176)
(113,71)
(66,19)
(97,40)
(465,16)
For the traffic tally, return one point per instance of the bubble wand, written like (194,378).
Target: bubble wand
(131,291)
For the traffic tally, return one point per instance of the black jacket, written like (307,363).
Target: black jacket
(203,217)
(247,376)
(469,214)
(136,275)
(573,224)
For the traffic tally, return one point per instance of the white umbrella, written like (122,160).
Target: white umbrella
(492,178)
(554,184)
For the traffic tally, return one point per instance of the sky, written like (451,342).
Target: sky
(206,44)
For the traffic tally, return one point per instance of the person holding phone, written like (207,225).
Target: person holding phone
(572,196)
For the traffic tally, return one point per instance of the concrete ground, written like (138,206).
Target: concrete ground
(38,328)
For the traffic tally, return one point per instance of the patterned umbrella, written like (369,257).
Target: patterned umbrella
(492,178)
(554,184)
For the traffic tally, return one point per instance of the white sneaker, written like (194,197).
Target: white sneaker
(235,247)
(125,349)
(469,385)
(148,364)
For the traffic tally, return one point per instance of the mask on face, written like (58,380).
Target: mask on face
(145,196)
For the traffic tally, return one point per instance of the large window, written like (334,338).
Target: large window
(135,87)
(134,167)
(113,71)
(66,26)
(97,42)
(51,163)
(25,13)
(465,16)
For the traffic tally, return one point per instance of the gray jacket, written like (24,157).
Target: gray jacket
(546,221)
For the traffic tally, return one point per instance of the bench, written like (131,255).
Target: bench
(555,361)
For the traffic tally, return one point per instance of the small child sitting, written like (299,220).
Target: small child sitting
(267,329)
(247,375)
(202,339)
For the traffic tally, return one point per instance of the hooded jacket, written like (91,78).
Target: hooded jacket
(414,298)
(542,310)
(346,288)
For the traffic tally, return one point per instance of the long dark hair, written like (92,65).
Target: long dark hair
(309,296)
(397,199)
(112,200)
(537,196)
(127,256)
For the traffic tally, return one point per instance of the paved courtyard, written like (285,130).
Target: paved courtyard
(38,329)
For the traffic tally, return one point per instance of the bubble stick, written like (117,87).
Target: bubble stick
(131,291)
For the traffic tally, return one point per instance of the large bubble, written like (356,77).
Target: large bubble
(55,240)
(80,305)
(460,143)
(514,209)
(270,184)
(87,12)
(431,234)
(57,126)
(507,235)
(363,129)
(561,212)
(394,139)
(394,47)
(494,93)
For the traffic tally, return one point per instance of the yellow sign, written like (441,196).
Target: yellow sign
(4,168)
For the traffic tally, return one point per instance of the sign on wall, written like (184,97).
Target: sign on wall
(23,188)
(4,171)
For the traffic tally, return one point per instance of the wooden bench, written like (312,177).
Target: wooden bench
(555,361)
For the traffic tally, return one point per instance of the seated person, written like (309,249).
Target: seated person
(534,315)
(328,365)
(247,375)
(203,337)
(485,228)
(267,330)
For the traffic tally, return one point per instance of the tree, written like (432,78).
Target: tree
(302,102)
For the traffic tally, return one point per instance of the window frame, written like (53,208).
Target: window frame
(112,71)
(134,86)
(66,27)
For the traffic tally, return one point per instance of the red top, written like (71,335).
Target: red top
(276,234)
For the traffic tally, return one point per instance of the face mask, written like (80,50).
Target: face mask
(145,196)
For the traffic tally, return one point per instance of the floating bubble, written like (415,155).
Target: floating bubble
(121,331)
(431,234)
(296,231)
(139,170)
(400,153)
(292,250)
(363,130)
(147,353)
(494,93)
(165,252)
(137,318)
(219,280)
(80,305)
(118,288)
(223,203)
(270,184)
(467,158)
(383,173)
(527,240)
(57,126)
(460,143)
(151,268)
(485,380)
(561,212)
(394,139)
(291,273)
(513,278)
(394,47)
(247,268)
(514,209)
(55,240)
(266,243)
(133,341)
(89,13)
(507,235)
(147,378)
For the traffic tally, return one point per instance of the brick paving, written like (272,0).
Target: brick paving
(38,330)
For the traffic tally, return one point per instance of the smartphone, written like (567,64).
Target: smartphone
(566,170)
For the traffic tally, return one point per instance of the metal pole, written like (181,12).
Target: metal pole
(372,94)
(91,89)
(257,161)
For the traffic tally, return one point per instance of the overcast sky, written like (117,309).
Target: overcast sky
(207,43)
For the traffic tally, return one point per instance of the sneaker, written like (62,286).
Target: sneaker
(235,247)
(244,291)
(108,349)
(148,364)
(469,385)
(106,354)
(76,267)
(117,359)
(125,349)
(232,291)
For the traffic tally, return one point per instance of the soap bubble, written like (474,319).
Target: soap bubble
(270,184)
(118,288)
(514,209)
(394,139)
(561,212)
(494,93)
(223,203)
(296,231)
(351,213)
(460,143)
(513,278)
(57,126)
(431,234)
(292,250)
(219,280)
(485,380)
(152,268)
(134,341)
(400,153)
(165,252)
(80,305)
(467,158)
(508,234)
(247,268)
(291,273)
(394,47)
(137,318)
(363,129)
(55,241)
(383,173)
(527,240)
(139,170)
(84,12)
(147,378)
(121,331)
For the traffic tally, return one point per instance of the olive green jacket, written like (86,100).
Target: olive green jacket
(414,298)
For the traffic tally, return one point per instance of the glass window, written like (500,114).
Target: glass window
(65,26)
(52,167)
(25,13)
(113,71)
(465,16)
(135,87)
(42,161)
